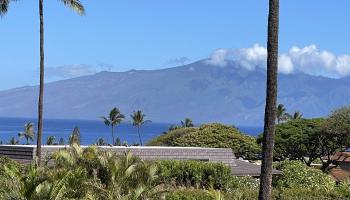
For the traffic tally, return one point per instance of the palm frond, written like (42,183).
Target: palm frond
(76,5)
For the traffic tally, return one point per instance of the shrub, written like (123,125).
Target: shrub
(188,194)
(194,174)
(245,182)
(298,175)
(211,135)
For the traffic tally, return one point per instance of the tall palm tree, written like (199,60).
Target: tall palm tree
(138,119)
(115,117)
(281,114)
(28,132)
(187,123)
(76,6)
(79,8)
(271,101)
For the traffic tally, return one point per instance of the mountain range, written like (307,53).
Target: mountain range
(201,91)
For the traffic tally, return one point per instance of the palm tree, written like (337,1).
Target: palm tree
(28,132)
(76,6)
(61,141)
(297,115)
(187,123)
(75,137)
(100,142)
(79,8)
(50,140)
(114,118)
(13,141)
(281,114)
(271,101)
(138,119)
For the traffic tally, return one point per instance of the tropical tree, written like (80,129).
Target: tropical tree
(50,140)
(75,137)
(297,115)
(115,117)
(13,141)
(76,6)
(271,101)
(100,142)
(281,114)
(187,123)
(28,132)
(61,141)
(138,119)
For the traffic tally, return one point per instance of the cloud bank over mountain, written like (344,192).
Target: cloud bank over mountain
(309,59)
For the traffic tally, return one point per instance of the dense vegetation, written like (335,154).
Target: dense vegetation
(77,173)
(210,135)
(309,140)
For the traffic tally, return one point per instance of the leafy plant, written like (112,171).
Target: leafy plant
(211,135)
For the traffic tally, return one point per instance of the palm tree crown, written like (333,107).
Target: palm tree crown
(28,132)
(281,114)
(115,117)
(297,115)
(187,123)
(138,119)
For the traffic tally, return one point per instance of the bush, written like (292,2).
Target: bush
(307,193)
(245,182)
(211,135)
(188,194)
(295,174)
(194,174)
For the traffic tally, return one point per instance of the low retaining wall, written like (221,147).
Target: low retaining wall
(26,153)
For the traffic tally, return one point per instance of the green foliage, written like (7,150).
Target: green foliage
(298,175)
(80,173)
(211,135)
(114,118)
(188,194)
(75,137)
(28,132)
(194,174)
(307,194)
(138,119)
(296,139)
(245,182)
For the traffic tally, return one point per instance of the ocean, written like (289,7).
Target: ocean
(91,130)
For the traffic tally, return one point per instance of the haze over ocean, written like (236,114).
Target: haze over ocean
(91,130)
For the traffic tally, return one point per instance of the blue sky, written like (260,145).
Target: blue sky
(153,34)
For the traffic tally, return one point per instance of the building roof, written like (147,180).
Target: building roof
(245,168)
(341,156)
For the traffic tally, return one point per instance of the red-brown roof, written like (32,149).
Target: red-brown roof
(341,157)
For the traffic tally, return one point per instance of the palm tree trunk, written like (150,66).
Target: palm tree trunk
(113,135)
(41,87)
(138,131)
(271,99)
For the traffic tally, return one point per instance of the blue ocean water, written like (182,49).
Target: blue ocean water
(91,130)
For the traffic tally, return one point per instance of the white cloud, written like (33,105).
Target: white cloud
(219,57)
(308,59)
(71,71)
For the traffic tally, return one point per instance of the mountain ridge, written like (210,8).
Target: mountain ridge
(203,92)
